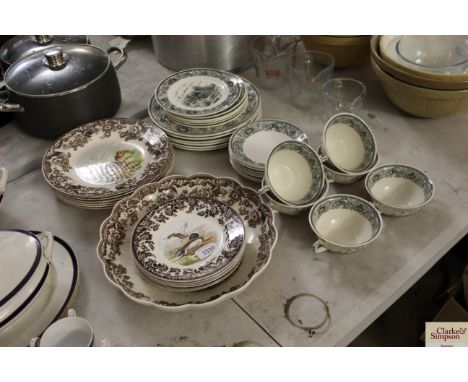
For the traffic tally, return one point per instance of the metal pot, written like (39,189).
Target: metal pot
(20,46)
(56,90)
(218,52)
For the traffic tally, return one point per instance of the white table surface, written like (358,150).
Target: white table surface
(357,287)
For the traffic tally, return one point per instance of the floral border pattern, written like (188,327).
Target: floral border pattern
(236,145)
(159,117)
(402,171)
(318,173)
(233,82)
(233,233)
(118,226)
(56,162)
(370,146)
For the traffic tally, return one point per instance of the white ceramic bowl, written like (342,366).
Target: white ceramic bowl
(24,269)
(344,223)
(289,209)
(399,190)
(294,173)
(349,144)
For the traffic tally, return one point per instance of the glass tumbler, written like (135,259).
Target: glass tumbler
(307,72)
(343,95)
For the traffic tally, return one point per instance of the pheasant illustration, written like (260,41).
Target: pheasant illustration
(193,242)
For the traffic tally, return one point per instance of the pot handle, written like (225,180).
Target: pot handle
(11,108)
(122,58)
(318,247)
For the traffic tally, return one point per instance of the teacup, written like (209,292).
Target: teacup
(334,175)
(399,190)
(294,174)
(349,144)
(344,223)
(71,331)
(3,181)
(289,209)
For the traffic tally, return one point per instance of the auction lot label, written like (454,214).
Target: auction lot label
(447,334)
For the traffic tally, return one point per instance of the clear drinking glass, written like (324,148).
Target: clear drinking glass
(307,72)
(270,54)
(343,95)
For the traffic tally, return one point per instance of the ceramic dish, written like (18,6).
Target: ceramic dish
(399,190)
(344,223)
(425,80)
(188,239)
(348,143)
(51,303)
(160,118)
(3,181)
(106,159)
(251,144)
(24,268)
(116,255)
(294,173)
(289,209)
(420,101)
(440,55)
(334,175)
(199,92)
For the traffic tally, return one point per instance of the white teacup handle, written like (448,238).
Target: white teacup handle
(71,313)
(3,179)
(34,342)
(46,248)
(322,158)
(264,189)
(318,247)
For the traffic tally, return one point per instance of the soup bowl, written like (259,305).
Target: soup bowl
(294,173)
(289,209)
(399,190)
(344,223)
(349,144)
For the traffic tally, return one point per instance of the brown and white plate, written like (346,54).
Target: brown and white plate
(106,158)
(188,239)
(115,245)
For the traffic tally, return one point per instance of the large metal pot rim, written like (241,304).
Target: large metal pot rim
(109,63)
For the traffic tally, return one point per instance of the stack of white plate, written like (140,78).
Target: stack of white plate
(97,164)
(37,284)
(250,146)
(199,109)
(188,244)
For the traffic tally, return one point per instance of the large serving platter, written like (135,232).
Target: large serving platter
(52,301)
(199,92)
(100,162)
(115,247)
(159,117)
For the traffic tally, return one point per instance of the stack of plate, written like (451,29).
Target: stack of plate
(200,108)
(189,244)
(250,146)
(97,164)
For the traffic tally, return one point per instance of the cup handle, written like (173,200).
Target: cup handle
(264,189)
(71,312)
(3,180)
(34,342)
(318,247)
(47,248)
(322,158)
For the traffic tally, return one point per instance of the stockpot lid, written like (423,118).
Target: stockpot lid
(20,254)
(20,46)
(58,70)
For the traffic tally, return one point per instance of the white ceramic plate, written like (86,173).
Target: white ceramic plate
(51,303)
